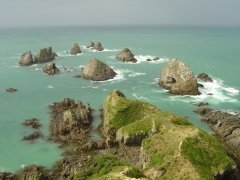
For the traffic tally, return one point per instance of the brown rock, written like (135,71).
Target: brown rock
(45,55)
(34,123)
(126,56)
(75,49)
(26,59)
(205,77)
(50,69)
(32,136)
(33,173)
(11,90)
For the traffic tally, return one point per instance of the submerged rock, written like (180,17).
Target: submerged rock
(98,47)
(33,136)
(26,59)
(45,55)
(75,49)
(90,45)
(126,56)
(34,123)
(50,69)
(204,77)
(33,173)
(178,78)
(11,90)
(97,71)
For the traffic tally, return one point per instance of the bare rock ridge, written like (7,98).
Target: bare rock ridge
(97,71)
(26,59)
(50,69)
(126,56)
(75,49)
(178,78)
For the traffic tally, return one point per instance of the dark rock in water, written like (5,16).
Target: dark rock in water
(7,176)
(90,45)
(148,59)
(200,85)
(51,69)
(210,94)
(225,125)
(68,117)
(77,76)
(45,55)
(26,59)
(75,49)
(126,56)
(33,172)
(34,123)
(11,90)
(156,58)
(200,103)
(98,47)
(97,71)
(204,77)
(32,136)
(178,78)
(202,111)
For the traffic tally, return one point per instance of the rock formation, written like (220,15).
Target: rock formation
(11,90)
(98,47)
(97,71)
(126,56)
(200,103)
(33,173)
(90,45)
(75,49)
(178,78)
(45,55)
(204,77)
(26,59)
(33,136)
(50,69)
(34,123)
(68,117)
(225,125)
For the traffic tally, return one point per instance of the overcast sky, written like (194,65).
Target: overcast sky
(25,13)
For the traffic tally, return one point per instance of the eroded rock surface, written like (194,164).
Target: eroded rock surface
(45,55)
(75,49)
(50,69)
(126,56)
(26,59)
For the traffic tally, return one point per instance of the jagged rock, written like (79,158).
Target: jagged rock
(45,55)
(34,123)
(97,71)
(69,117)
(225,125)
(178,78)
(75,49)
(200,103)
(204,77)
(126,56)
(26,59)
(90,45)
(32,136)
(50,69)
(33,173)
(7,176)
(98,47)
(11,90)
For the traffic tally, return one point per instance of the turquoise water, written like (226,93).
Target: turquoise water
(211,50)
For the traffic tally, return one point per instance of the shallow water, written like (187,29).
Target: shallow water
(214,51)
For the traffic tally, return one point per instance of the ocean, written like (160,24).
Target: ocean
(213,50)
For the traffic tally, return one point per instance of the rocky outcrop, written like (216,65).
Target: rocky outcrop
(126,56)
(200,103)
(7,176)
(98,47)
(33,136)
(97,71)
(45,55)
(11,90)
(225,125)
(204,77)
(178,78)
(33,173)
(90,45)
(50,69)
(34,123)
(75,49)
(69,118)
(26,59)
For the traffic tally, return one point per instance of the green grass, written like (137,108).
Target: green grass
(207,155)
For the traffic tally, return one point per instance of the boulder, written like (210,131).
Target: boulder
(26,59)
(50,69)
(75,49)
(178,78)
(90,45)
(98,47)
(11,90)
(204,77)
(97,71)
(126,56)
(45,55)
(33,172)
(156,58)
(34,123)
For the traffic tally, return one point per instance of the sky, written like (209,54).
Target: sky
(32,13)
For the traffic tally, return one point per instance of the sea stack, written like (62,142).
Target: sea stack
(50,69)
(126,56)
(97,71)
(98,47)
(178,78)
(75,49)
(204,77)
(90,45)
(45,55)
(26,59)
